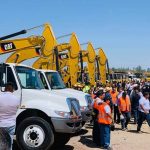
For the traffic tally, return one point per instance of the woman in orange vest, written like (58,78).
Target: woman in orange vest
(96,131)
(124,109)
(105,120)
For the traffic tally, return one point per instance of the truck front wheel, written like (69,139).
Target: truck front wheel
(34,133)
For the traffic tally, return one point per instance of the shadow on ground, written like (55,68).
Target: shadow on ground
(134,131)
(87,140)
(66,147)
(81,132)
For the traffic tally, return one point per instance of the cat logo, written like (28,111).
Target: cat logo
(7,46)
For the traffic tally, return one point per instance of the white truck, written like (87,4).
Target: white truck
(44,118)
(52,81)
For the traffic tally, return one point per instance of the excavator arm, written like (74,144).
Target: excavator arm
(89,57)
(23,49)
(34,46)
(103,64)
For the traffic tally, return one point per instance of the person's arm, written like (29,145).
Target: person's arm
(142,106)
(108,111)
(119,106)
(129,105)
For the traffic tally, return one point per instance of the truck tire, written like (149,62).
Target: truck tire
(61,139)
(34,133)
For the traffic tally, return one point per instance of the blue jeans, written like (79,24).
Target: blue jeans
(135,114)
(104,135)
(125,121)
(142,118)
(11,131)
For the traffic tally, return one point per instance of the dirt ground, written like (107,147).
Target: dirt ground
(120,140)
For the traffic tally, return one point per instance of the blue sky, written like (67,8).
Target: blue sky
(120,27)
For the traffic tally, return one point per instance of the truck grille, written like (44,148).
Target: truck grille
(89,100)
(74,106)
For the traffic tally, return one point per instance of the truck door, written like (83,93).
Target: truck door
(7,75)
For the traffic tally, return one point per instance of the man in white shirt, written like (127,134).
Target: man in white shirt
(8,108)
(144,109)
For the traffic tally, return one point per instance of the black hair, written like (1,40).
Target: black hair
(99,93)
(124,94)
(9,84)
(145,94)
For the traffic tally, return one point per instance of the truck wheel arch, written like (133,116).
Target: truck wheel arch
(32,113)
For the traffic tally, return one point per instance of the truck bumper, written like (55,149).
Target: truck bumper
(86,115)
(66,125)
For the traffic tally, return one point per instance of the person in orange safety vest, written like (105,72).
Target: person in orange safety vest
(104,121)
(114,94)
(124,109)
(96,132)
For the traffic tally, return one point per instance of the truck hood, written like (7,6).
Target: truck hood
(45,98)
(73,93)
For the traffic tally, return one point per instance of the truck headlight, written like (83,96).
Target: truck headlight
(84,108)
(63,114)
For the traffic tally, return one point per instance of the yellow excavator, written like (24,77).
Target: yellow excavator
(87,56)
(47,49)
(31,47)
(102,66)
(63,58)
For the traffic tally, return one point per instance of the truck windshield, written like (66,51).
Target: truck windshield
(55,80)
(29,78)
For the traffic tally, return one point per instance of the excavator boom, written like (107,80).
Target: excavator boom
(27,48)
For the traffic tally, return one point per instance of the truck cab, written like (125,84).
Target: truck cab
(53,81)
(43,118)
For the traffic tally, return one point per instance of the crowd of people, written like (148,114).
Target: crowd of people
(117,103)
(113,103)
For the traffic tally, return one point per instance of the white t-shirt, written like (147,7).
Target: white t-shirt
(8,109)
(145,103)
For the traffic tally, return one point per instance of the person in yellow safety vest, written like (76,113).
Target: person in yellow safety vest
(105,120)
(125,110)
(86,89)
